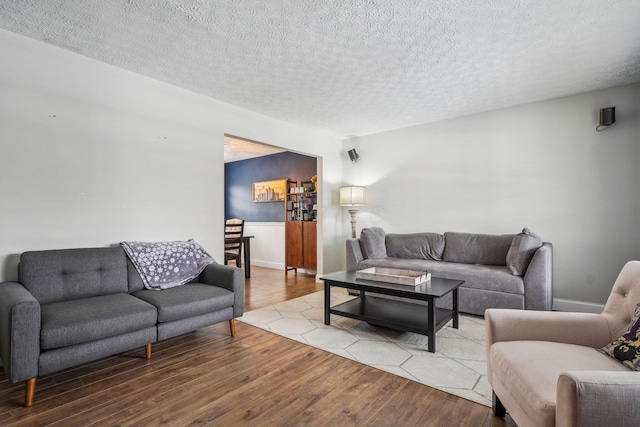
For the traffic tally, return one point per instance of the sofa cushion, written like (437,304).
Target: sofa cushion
(372,243)
(416,246)
(187,300)
(485,277)
(470,248)
(61,275)
(528,371)
(626,349)
(78,321)
(134,279)
(521,251)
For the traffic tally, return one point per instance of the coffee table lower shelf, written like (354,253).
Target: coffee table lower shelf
(394,314)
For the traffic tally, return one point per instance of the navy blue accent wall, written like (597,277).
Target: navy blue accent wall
(239,177)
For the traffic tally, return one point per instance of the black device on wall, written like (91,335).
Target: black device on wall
(607,118)
(353,155)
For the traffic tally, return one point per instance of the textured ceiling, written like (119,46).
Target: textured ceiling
(240,149)
(352,67)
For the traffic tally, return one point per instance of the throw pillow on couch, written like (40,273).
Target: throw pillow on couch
(521,252)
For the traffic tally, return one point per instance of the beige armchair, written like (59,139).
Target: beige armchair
(545,370)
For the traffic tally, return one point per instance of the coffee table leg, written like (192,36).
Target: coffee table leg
(455,308)
(327,302)
(431,327)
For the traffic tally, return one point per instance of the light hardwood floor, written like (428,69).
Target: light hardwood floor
(256,378)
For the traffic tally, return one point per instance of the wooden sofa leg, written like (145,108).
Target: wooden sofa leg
(147,351)
(497,406)
(29,392)
(232,326)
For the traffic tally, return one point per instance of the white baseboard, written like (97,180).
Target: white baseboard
(267,264)
(576,306)
(281,267)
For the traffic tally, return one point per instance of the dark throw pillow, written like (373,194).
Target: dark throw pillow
(626,349)
(372,243)
(523,247)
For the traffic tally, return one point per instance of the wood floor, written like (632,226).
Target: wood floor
(256,378)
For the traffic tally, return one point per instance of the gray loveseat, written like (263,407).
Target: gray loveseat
(500,271)
(77,305)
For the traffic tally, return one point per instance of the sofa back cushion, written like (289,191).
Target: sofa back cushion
(134,279)
(415,246)
(467,248)
(61,275)
(372,243)
(521,252)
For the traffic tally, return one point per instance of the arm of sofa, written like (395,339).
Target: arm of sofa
(538,280)
(354,254)
(597,398)
(231,278)
(588,329)
(19,331)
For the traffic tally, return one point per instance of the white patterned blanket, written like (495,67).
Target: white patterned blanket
(164,265)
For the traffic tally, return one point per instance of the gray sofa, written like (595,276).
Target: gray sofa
(77,305)
(500,271)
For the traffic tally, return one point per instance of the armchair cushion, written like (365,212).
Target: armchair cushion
(73,322)
(525,374)
(626,349)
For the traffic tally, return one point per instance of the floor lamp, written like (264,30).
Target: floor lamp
(352,196)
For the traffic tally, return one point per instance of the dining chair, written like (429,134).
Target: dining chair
(233,231)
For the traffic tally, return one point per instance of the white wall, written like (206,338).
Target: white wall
(129,158)
(541,166)
(125,157)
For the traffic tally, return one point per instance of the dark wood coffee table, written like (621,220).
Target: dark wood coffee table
(391,313)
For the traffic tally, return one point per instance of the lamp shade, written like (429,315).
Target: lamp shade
(351,196)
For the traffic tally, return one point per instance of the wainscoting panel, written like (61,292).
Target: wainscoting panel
(267,247)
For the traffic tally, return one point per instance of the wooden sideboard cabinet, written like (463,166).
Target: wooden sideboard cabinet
(309,244)
(300,246)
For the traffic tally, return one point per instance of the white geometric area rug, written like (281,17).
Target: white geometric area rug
(458,366)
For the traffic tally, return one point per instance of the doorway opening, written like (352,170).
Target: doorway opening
(250,164)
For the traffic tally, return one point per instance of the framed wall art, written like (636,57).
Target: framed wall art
(269,191)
